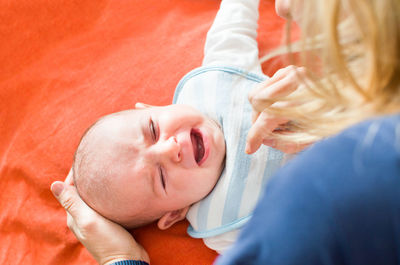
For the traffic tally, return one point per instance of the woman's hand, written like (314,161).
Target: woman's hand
(282,83)
(105,240)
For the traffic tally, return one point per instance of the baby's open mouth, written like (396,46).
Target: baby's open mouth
(198,145)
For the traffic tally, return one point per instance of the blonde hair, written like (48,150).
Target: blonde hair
(351,49)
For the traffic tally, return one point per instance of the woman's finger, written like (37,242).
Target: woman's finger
(283,83)
(254,116)
(263,99)
(70,178)
(260,130)
(68,197)
(280,74)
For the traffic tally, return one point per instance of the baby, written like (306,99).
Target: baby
(186,159)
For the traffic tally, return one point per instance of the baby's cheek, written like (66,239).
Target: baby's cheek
(209,180)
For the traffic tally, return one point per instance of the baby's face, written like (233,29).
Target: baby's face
(159,158)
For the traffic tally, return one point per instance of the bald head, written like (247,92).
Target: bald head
(101,157)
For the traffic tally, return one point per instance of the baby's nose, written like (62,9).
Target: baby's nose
(172,149)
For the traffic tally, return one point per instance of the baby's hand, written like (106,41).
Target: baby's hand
(108,242)
(282,83)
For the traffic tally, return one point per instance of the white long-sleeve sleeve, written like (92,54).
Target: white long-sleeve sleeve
(231,39)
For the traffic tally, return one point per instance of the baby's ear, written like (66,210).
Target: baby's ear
(170,218)
(140,105)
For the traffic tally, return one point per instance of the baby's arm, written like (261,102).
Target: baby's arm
(231,39)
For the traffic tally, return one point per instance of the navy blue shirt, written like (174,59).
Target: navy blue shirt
(336,203)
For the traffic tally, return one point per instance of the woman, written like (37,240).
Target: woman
(337,202)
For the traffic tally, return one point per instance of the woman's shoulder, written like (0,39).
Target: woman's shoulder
(375,129)
(369,145)
(373,138)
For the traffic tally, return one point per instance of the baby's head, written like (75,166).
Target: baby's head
(149,163)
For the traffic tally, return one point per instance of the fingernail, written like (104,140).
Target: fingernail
(247,149)
(57,188)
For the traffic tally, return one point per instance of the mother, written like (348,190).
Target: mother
(338,202)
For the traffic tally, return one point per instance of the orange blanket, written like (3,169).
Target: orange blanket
(63,64)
